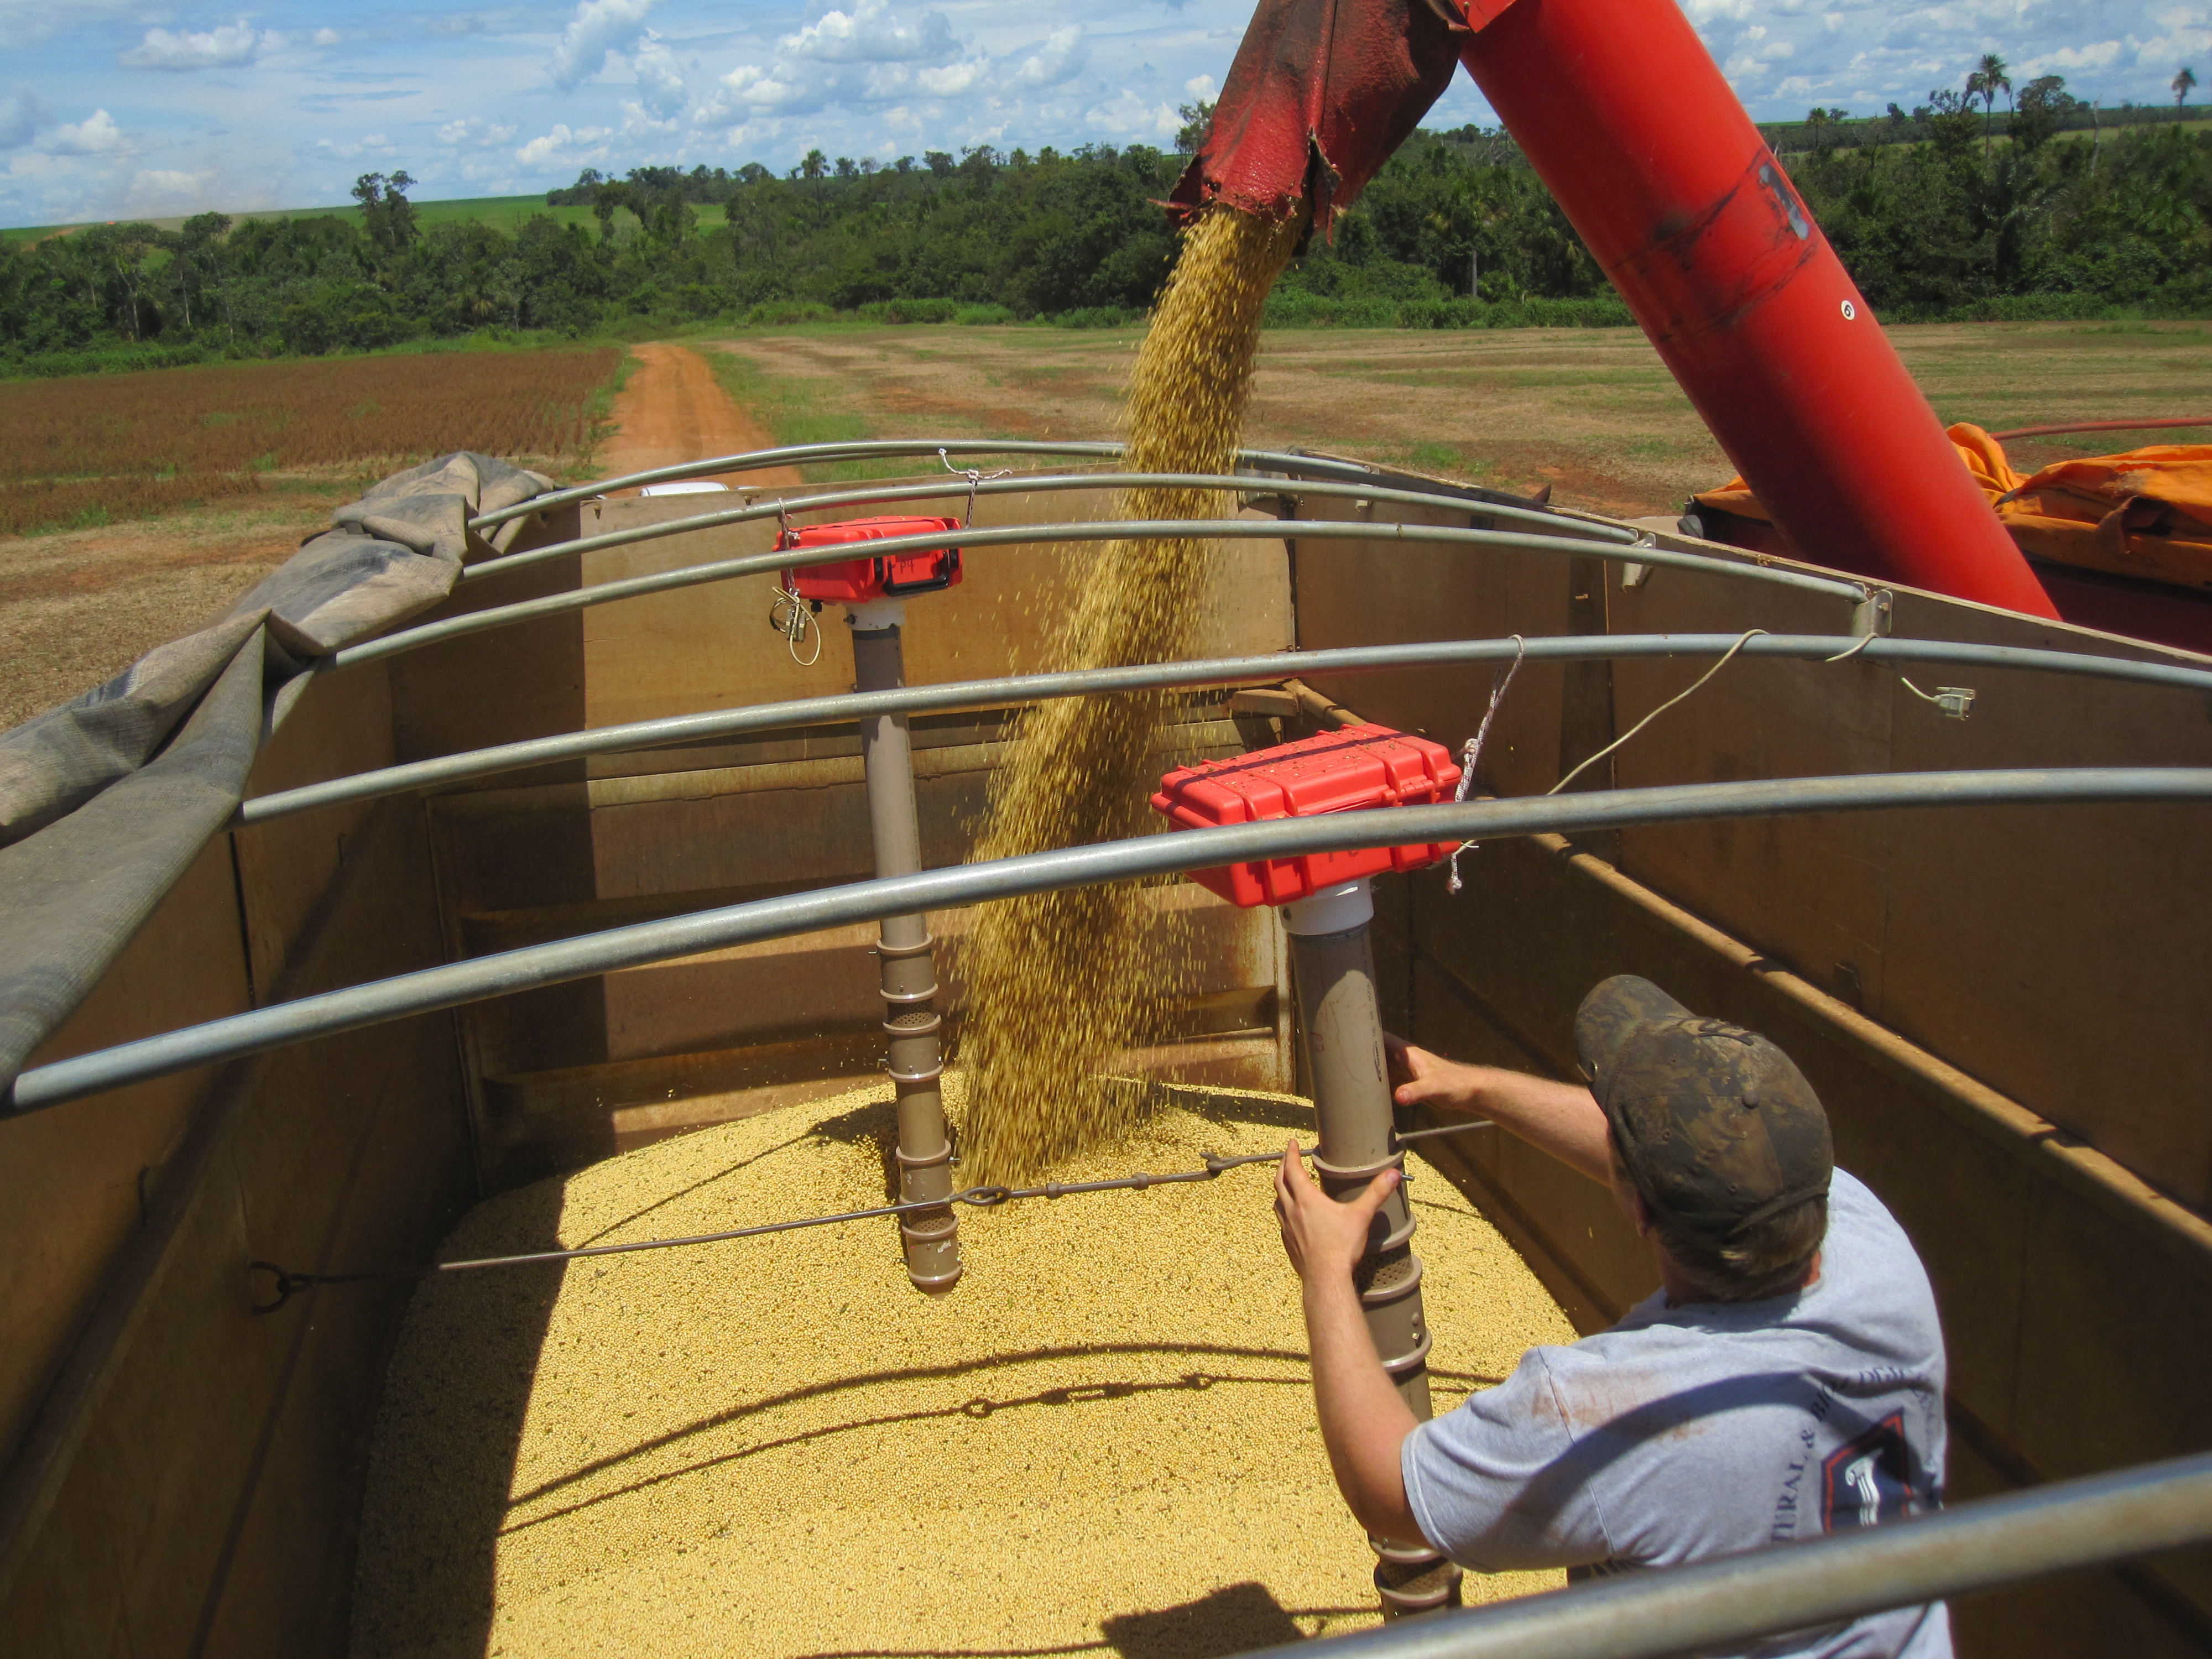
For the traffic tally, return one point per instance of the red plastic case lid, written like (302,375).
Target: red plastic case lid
(853,581)
(1345,770)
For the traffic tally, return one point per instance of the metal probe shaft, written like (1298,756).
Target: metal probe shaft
(930,1237)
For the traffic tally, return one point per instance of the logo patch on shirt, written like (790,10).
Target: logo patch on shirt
(1868,1481)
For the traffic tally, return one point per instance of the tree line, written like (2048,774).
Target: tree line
(2042,109)
(1947,209)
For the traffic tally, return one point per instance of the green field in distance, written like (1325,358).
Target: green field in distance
(505,213)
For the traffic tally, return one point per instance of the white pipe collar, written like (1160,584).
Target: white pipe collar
(875,615)
(1332,911)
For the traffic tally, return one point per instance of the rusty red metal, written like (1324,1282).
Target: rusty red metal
(1625,116)
(1624,113)
(1320,95)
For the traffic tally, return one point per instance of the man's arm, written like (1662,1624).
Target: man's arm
(1363,1423)
(1563,1119)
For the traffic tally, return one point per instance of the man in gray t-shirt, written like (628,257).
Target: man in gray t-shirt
(1786,1380)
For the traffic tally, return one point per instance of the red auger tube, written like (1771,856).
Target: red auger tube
(1625,115)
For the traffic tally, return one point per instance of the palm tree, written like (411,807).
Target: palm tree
(1987,81)
(2183,83)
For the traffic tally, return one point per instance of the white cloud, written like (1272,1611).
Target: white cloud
(22,115)
(850,77)
(871,33)
(2071,60)
(565,145)
(599,28)
(225,47)
(1129,117)
(872,55)
(1059,57)
(2187,36)
(28,23)
(660,85)
(96,134)
(368,145)
(748,88)
(159,190)
(473,132)
(1784,54)
(947,80)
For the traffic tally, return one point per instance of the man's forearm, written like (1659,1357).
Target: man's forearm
(1363,1423)
(1558,1118)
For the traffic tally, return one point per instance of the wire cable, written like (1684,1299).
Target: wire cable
(1741,642)
(286,1285)
(1472,752)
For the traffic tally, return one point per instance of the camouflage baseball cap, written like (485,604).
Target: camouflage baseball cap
(1716,1126)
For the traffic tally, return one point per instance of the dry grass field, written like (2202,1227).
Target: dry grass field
(1590,412)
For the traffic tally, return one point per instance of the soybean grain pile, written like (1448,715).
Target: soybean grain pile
(1058,981)
(1103,1440)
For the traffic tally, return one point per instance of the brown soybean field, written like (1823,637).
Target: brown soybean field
(104,447)
(134,507)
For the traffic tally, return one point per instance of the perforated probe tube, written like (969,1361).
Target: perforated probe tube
(930,1238)
(1333,968)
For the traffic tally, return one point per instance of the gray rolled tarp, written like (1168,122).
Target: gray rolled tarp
(106,801)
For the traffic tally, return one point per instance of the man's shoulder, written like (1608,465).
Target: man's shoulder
(1867,1256)
(1852,1197)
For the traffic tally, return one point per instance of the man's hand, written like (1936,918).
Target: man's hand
(1419,1078)
(1363,1422)
(1323,1238)
(1558,1118)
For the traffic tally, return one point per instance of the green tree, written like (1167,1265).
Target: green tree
(1987,81)
(386,212)
(1951,119)
(2044,102)
(2183,84)
(195,273)
(608,198)
(1197,116)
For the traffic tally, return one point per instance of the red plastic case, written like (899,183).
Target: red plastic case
(1339,771)
(854,581)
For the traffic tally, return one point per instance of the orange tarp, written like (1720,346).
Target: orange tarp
(2146,513)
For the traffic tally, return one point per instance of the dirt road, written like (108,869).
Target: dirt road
(672,411)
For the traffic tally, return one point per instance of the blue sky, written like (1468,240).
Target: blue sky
(118,107)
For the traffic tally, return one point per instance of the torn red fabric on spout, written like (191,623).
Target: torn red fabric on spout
(1320,95)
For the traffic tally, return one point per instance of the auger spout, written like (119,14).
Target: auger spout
(1626,116)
